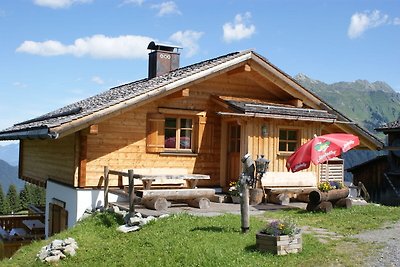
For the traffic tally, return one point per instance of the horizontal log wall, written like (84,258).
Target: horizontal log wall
(121,144)
(268,146)
(121,141)
(43,159)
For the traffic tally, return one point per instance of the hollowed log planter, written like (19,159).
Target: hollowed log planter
(317,196)
(279,245)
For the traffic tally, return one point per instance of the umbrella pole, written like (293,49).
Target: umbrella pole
(327,171)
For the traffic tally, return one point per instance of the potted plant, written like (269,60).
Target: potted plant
(234,191)
(279,237)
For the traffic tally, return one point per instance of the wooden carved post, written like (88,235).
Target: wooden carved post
(244,208)
(131,194)
(106,180)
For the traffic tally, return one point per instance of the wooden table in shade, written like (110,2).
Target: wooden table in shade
(36,227)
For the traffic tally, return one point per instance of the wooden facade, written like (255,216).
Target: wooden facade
(131,134)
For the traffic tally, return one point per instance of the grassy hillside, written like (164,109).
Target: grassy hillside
(369,104)
(185,240)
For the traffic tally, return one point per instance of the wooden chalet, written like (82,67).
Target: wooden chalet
(381,175)
(198,119)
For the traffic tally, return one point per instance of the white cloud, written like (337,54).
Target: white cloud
(396,21)
(239,29)
(59,3)
(360,22)
(187,39)
(97,79)
(167,8)
(20,85)
(132,2)
(96,46)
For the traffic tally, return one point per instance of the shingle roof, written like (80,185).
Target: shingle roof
(114,96)
(275,109)
(394,125)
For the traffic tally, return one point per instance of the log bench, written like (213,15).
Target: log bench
(280,187)
(184,187)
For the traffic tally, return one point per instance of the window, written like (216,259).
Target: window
(178,133)
(288,140)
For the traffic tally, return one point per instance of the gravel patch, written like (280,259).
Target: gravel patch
(389,238)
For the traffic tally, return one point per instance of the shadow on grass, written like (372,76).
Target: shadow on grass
(215,229)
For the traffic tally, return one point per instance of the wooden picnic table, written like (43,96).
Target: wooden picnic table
(34,225)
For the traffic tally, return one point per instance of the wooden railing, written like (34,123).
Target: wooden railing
(8,222)
(131,193)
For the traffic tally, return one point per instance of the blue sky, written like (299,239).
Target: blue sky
(55,52)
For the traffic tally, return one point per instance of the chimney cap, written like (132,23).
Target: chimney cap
(163,47)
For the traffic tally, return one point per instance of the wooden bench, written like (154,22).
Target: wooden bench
(173,177)
(157,198)
(281,186)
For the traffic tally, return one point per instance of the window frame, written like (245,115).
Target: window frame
(288,141)
(178,130)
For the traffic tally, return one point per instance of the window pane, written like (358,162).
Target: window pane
(186,123)
(282,134)
(170,123)
(291,146)
(186,139)
(170,138)
(292,135)
(282,146)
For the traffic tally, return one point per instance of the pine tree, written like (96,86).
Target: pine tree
(13,198)
(6,206)
(25,196)
(1,199)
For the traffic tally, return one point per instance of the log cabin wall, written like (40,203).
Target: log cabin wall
(268,145)
(120,142)
(43,159)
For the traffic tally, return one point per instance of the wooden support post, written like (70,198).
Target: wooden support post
(201,203)
(244,209)
(279,198)
(131,194)
(158,203)
(106,180)
(324,206)
(343,203)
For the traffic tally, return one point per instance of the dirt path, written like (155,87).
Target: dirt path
(389,237)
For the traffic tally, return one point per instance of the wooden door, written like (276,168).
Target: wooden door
(58,219)
(233,155)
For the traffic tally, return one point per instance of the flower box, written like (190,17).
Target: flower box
(235,199)
(280,245)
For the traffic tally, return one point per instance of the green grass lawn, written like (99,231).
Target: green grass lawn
(185,240)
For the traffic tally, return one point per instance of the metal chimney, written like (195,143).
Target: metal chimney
(162,59)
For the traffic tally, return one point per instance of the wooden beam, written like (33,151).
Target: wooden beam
(298,103)
(182,93)
(94,129)
(82,161)
(176,194)
(244,68)
(176,111)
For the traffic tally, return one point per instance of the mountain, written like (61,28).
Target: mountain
(10,154)
(369,104)
(8,176)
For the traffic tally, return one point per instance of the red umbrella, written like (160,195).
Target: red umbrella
(321,149)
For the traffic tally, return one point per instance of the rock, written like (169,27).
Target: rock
(126,228)
(51,259)
(135,221)
(58,249)
(164,216)
(57,244)
(69,241)
(70,250)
